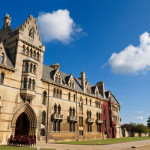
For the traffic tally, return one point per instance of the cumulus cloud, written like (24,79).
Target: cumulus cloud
(140,117)
(58,25)
(133,59)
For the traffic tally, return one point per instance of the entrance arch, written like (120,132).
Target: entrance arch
(22,125)
(26,116)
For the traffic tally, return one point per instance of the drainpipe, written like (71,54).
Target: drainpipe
(47,116)
(77,118)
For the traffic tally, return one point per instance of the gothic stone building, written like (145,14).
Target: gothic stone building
(40,100)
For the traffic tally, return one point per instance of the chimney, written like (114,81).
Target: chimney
(83,80)
(7,21)
(101,88)
(55,66)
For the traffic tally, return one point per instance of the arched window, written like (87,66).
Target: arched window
(57,93)
(29,84)
(70,111)
(44,98)
(72,84)
(55,109)
(1,78)
(25,83)
(33,85)
(54,93)
(90,102)
(69,96)
(1,58)
(34,69)
(61,94)
(34,54)
(59,109)
(31,52)
(26,67)
(31,33)
(74,98)
(43,118)
(86,101)
(26,51)
(31,67)
(38,57)
(73,111)
(23,49)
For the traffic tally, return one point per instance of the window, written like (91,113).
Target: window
(73,112)
(25,83)
(23,49)
(55,109)
(90,102)
(98,127)
(1,78)
(26,51)
(89,127)
(26,67)
(60,93)
(42,132)
(44,98)
(96,93)
(69,96)
(58,126)
(54,126)
(86,101)
(38,57)
(54,93)
(43,118)
(33,85)
(74,98)
(72,127)
(70,111)
(59,109)
(29,84)
(34,69)
(31,67)
(31,33)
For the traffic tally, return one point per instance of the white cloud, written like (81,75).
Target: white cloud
(58,25)
(140,117)
(140,112)
(133,59)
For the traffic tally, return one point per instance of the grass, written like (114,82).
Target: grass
(105,141)
(2,147)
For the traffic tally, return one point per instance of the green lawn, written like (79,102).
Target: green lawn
(19,148)
(105,141)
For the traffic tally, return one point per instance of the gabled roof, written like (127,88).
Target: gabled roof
(48,73)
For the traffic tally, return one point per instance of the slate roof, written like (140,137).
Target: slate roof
(48,73)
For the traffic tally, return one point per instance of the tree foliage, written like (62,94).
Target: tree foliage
(148,122)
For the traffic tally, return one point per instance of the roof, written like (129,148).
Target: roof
(48,73)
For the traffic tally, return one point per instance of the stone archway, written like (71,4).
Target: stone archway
(24,114)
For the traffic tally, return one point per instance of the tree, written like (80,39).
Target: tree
(140,128)
(148,122)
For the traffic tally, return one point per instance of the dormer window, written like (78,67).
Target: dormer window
(96,94)
(1,58)
(88,90)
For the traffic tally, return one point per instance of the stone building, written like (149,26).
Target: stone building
(40,100)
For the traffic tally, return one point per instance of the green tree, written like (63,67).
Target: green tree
(148,122)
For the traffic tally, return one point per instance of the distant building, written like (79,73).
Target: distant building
(40,100)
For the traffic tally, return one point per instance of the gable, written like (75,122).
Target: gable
(29,32)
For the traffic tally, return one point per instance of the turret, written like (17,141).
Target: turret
(101,88)
(7,21)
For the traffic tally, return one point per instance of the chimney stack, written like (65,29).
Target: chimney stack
(83,80)
(55,66)
(101,88)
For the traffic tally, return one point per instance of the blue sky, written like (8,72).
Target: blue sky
(107,27)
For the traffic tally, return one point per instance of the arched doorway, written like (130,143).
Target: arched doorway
(24,121)
(22,125)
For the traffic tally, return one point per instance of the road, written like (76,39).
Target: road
(119,146)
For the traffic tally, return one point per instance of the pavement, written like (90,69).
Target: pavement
(140,145)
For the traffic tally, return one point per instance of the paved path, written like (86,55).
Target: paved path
(119,146)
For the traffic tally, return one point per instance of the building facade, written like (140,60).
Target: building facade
(40,100)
